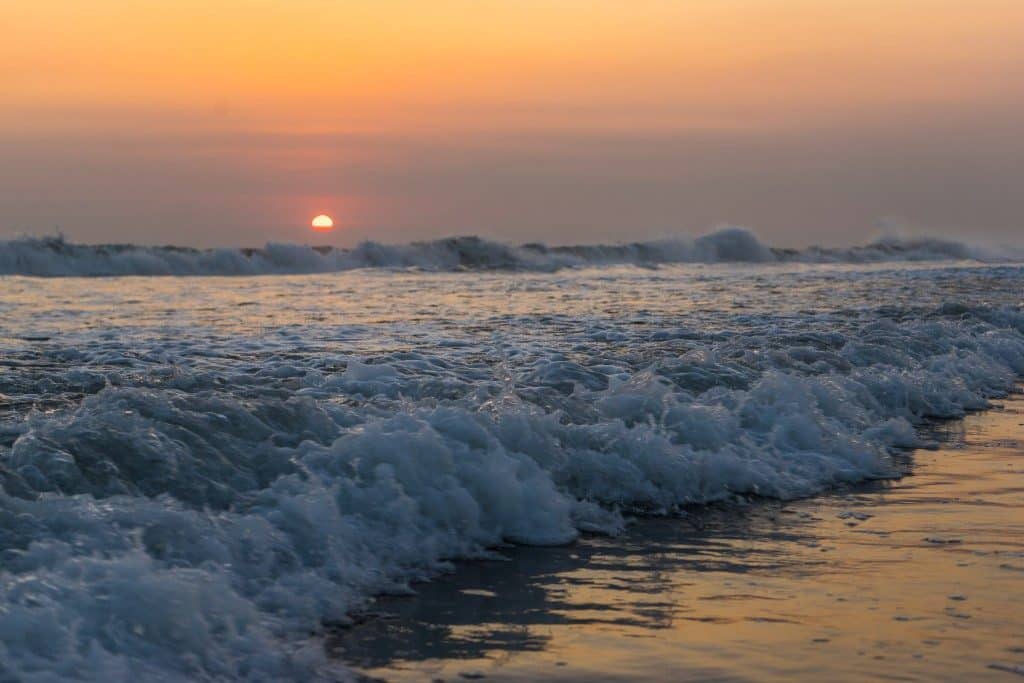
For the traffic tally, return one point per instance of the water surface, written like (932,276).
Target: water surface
(203,476)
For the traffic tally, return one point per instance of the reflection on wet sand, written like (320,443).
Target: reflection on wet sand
(920,579)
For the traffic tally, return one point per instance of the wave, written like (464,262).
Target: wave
(55,257)
(199,526)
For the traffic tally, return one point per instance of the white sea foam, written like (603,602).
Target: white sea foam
(53,257)
(189,501)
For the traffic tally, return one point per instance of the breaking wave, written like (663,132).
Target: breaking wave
(182,504)
(54,256)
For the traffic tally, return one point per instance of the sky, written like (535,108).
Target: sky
(234,122)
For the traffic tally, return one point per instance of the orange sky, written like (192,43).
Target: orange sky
(470,73)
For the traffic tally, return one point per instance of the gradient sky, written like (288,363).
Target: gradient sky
(233,122)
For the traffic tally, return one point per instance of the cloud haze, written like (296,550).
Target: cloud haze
(227,123)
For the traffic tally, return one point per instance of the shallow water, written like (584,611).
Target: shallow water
(202,476)
(920,579)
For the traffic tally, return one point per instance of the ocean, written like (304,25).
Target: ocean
(211,458)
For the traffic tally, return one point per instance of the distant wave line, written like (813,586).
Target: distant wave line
(56,257)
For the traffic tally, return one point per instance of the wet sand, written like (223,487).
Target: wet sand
(916,579)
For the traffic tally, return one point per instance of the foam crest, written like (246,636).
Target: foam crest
(54,257)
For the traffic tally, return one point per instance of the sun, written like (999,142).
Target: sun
(323,223)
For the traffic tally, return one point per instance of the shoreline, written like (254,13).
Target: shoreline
(538,615)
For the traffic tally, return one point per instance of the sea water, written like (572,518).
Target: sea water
(202,473)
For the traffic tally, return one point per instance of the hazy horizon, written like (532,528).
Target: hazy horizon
(248,459)
(233,123)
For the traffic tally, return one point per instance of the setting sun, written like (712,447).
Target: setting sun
(655,300)
(323,223)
